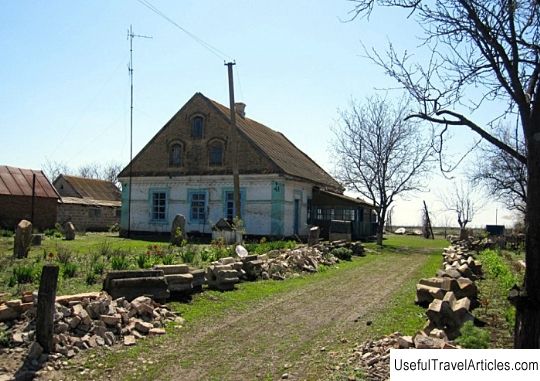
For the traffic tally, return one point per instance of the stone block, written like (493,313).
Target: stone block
(67,299)
(178,230)
(111,320)
(425,294)
(426,342)
(156,331)
(129,340)
(69,231)
(143,327)
(173,269)
(23,239)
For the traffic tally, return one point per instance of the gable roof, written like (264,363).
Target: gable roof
(273,145)
(92,188)
(280,150)
(18,182)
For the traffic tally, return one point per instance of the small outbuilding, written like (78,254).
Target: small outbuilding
(90,204)
(26,194)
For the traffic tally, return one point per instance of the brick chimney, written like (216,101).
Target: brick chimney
(240,109)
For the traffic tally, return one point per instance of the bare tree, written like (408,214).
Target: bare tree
(53,169)
(108,171)
(461,201)
(379,154)
(503,176)
(90,170)
(492,45)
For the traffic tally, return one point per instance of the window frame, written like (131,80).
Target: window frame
(198,193)
(225,200)
(213,144)
(197,131)
(151,193)
(172,145)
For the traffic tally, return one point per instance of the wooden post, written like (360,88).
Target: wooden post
(45,307)
(234,145)
(33,198)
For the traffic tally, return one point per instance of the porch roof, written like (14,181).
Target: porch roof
(326,198)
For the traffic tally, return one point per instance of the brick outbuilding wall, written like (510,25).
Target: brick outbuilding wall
(15,208)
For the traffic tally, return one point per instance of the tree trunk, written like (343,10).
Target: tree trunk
(380,231)
(527,329)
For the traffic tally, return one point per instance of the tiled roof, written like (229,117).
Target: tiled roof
(281,150)
(92,188)
(18,182)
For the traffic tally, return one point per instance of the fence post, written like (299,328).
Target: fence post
(46,307)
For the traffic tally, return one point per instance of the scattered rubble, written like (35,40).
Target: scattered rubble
(374,355)
(81,322)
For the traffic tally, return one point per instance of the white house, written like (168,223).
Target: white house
(186,169)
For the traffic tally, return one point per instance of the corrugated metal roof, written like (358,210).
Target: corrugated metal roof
(92,188)
(18,182)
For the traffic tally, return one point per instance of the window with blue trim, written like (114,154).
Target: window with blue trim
(159,206)
(198,207)
(229,210)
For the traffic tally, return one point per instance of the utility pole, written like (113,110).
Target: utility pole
(131,35)
(234,144)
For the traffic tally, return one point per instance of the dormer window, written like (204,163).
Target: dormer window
(215,153)
(175,155)
(197,127)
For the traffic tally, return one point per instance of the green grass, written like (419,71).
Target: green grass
(402,314)
(499,276)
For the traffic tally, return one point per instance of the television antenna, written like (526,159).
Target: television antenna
(131,36)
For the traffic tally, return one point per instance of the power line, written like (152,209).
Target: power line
(218,53)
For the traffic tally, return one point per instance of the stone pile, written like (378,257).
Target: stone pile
(87,321)
(429,289)
(276,264)
(452,294)
(178,278)
(449,314)
(279,264)
(13,309)
(133,283)
(459,261)
(374,355)
(160,283)
(356,247)
(222,275)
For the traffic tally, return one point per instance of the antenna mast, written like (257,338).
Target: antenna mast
(130,36)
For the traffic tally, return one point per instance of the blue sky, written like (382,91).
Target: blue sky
(64,93)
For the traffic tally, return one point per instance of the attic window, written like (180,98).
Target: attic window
(215,153)
(197,127)
(175,155)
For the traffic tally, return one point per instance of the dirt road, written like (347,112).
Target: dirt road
(293,332)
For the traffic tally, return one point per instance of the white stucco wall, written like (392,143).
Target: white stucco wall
(256,209)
